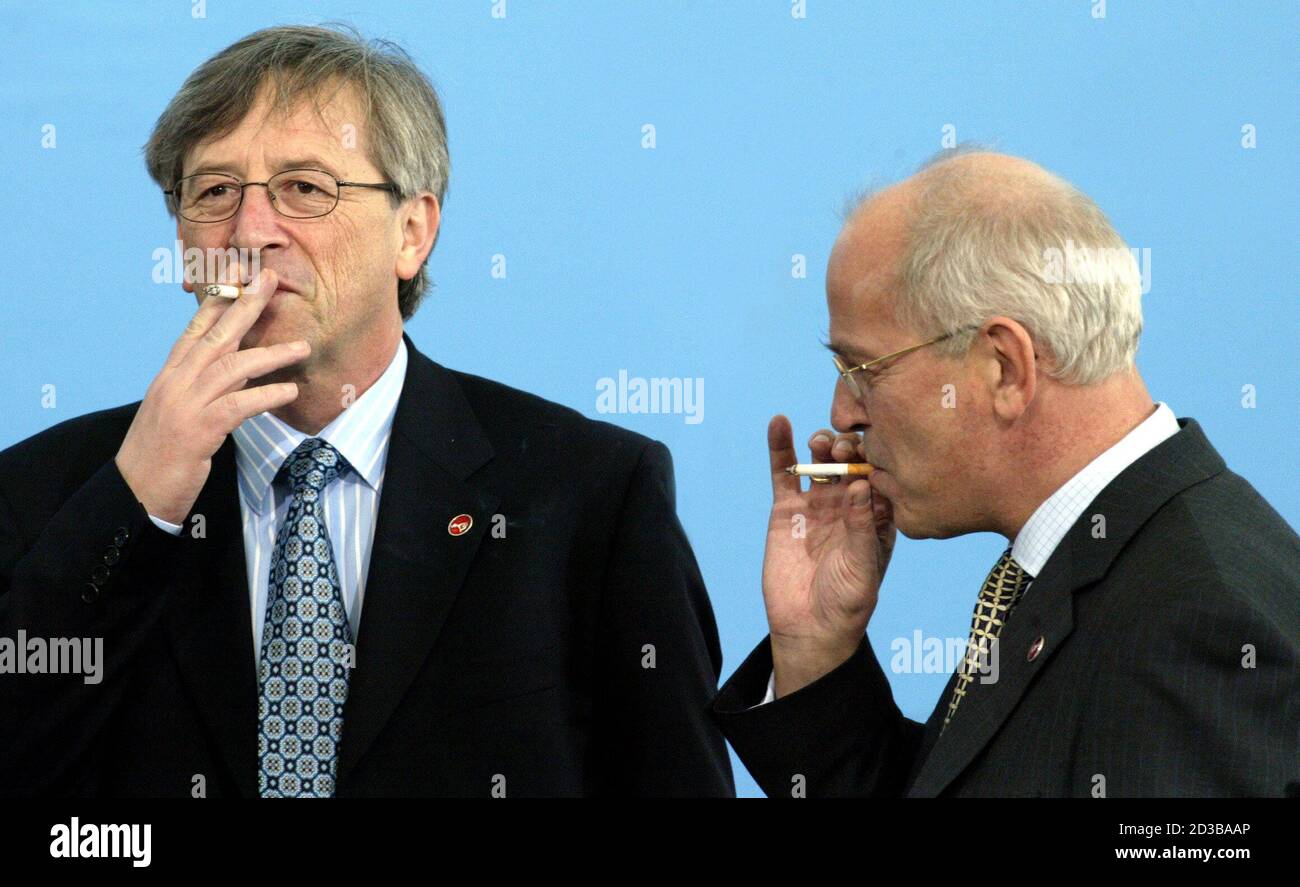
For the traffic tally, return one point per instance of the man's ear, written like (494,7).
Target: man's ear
(1011,365)
(419,221)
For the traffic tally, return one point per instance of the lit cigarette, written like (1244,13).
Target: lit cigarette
(832,469)
(223,290)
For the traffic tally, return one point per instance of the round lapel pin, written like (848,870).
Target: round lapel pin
(460,524)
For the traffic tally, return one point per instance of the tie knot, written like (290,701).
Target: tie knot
(1007,579)
(313,466)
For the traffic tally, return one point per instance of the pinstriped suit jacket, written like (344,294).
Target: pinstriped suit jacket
(1170,665)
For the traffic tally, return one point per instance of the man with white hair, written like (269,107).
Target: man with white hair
(1144,620)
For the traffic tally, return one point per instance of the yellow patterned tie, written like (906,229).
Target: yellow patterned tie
(1001,591)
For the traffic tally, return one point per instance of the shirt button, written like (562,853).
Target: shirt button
(99,575)
(112,555)
(90,593)
(122,535)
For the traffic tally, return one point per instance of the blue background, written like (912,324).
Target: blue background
(676,261)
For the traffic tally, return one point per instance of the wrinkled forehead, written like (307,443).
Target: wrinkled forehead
(321,129)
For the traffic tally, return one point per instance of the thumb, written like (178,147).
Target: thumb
(859,515)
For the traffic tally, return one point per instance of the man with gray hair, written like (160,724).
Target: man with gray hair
(1142,626)
(321,563)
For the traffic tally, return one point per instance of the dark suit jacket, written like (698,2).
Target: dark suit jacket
(1144,684)
(482,662)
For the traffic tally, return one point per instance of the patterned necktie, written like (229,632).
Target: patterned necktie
(303,672)
(1001,591)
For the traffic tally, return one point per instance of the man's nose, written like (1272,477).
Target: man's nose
(847,411)
(257,224)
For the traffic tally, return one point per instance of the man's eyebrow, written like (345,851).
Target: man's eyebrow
(221,168)
(304,163)
(230,169)
(852,352)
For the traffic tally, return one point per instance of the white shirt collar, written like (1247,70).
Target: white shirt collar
(1049,523)
(360,433)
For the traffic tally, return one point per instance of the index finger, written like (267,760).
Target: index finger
(233,322)
(781,455)
(208,313)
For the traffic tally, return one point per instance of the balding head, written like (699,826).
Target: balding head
(1040,301)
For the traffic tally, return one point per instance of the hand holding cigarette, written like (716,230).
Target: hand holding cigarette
(199,397)
(827,551)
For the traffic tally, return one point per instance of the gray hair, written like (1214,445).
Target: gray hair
(407,134)
(981,246)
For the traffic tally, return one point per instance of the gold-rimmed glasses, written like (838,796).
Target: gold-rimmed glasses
(846,371)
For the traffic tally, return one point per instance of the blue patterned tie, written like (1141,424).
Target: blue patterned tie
(303,670)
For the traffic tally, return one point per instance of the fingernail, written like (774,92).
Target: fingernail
(818,437)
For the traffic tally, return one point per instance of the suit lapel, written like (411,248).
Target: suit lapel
(210,625)
(417,566)
(1047,609)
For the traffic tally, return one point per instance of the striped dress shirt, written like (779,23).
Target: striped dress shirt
(361,434)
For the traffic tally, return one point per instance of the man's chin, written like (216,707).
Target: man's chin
(280,321)
(270,331)
(915,531)
(908,525)
(284,374)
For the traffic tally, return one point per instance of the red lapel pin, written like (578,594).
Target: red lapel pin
(1034,649)
(460,524)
